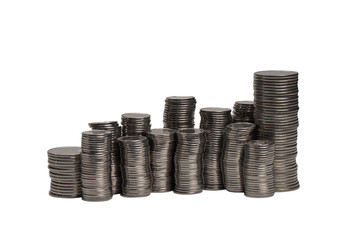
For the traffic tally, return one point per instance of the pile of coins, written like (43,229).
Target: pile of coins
(214,120)
(113,127)
(276,116)
(243,111)
(179,112)
(235,137)
(135,166)
(258,169)
(162,146)
(64,167)
(95,165)
(188,161)
(135,124)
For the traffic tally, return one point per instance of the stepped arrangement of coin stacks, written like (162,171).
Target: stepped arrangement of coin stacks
(243,111)
(113,127)
(251,150)
(162,145)
(95,165)
(188,161)
(179,112)
(235,137)
(134,124)
(64,167)
(135,165)
(214,121)
(276,117)
(258,168)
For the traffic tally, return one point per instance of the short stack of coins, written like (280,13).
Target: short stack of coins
(214,121)
(162,146)
(64,167)
(188,161)
(243,111)
(95,165)
(179,112)
(135,166)
(276,116)
(135,124)
(235,137)
(258,169)
(113,127)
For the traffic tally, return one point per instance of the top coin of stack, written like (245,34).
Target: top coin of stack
(214,120)
(179,112)
(276,115)
(243,111)
(113,127)
(134,124)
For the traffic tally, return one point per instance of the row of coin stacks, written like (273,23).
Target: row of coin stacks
(251,149)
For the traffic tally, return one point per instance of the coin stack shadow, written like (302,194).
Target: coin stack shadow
(258,168)
(235,137)
(162,146)
(113,127)
(64,168)
(214,121)
(189,161)
(276,117)
(135,124)
(179,112)
(95,165)
(243,111)
(135,166)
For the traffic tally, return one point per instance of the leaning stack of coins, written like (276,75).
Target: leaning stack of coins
(113,127)
(276,117)
(179,112)
(64,167)
(188,161)
(258,169)
(243,111)
(95,165)
(214,120)
(235,137)
(135,124)
(162,146)
(135,166)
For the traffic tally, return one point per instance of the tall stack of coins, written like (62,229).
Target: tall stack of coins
(179,112)
(135,124)
(258,169)
(243,111)
(162,146)
(113,127)
(235,137)
(135,166)
(214,120)
(188,161)
(276,115)
(95,165)
(64,167)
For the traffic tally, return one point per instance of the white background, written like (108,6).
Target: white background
(66,63)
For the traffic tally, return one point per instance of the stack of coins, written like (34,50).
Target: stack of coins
(135,166)
(235,137)
(135,124)
(64,167)
(179,112)
(258,169)
(162,146)
(214,120)
(113,127)
(188,161)
(243,112)
(276,115)
(95,165)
